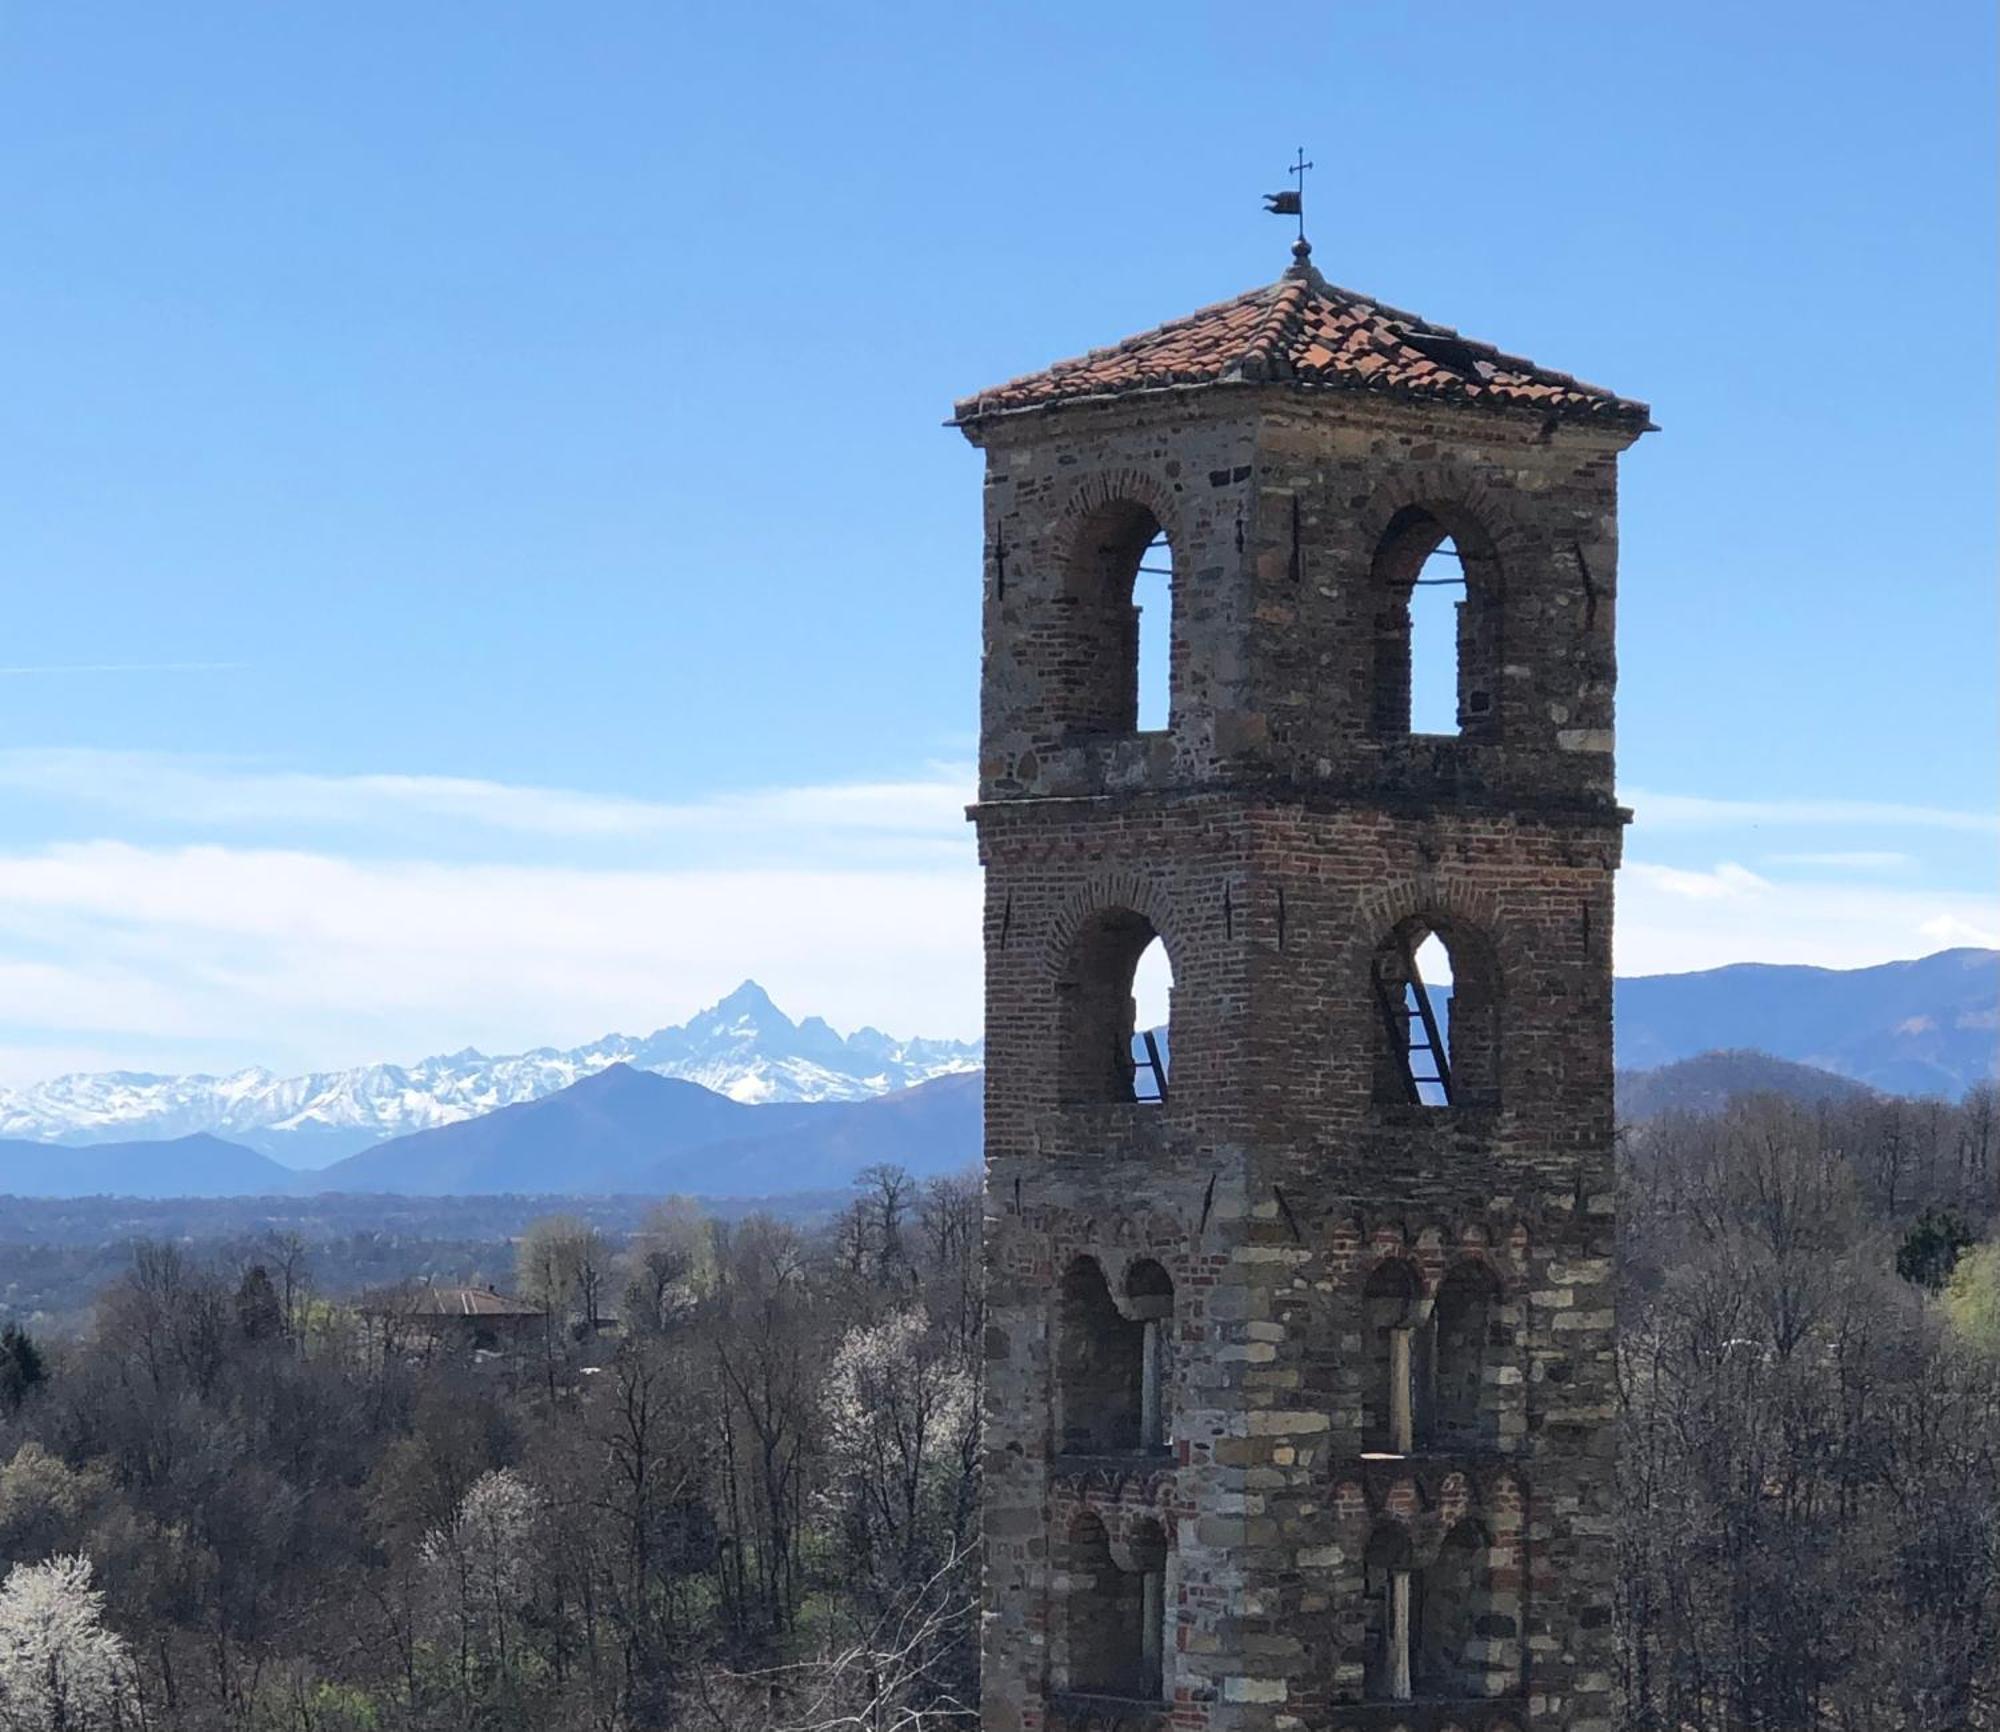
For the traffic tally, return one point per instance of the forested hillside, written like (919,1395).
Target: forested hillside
(753,1508)
(1810,1453)
(752,1504)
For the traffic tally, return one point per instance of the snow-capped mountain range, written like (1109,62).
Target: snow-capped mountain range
(744,1047)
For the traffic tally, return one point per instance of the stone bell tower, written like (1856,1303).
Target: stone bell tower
(1300,1361)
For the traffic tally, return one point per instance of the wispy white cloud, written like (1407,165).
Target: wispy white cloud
(1673,920)
(217,794)
(298,958)
(417,916)
(1697,812)
(258,914)
(1726,882)
(1952,931)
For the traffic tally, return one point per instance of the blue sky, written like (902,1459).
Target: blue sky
(488,458)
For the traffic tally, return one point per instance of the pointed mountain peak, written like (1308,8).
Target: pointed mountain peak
(609,1080)
(751,1004)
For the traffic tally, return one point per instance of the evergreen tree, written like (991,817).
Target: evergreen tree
(259,1314)
(21,1366)
(1930,1249)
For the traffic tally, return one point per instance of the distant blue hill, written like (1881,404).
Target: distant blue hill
(625,1130)
(1927,1027)
(1709,1081)
(196,1166)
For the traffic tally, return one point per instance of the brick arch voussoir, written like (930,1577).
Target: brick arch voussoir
(1112,487)
(1454,489)
(1111,893)
(1104,1496)
(1508,1281)
(1438,894)
(1457,1500)
(1116,1261)
(1378,1253)
(1363,1511)
(1114,1242)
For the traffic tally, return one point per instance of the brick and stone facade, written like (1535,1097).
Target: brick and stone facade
(1299,1393)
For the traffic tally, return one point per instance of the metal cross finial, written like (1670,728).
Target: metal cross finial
(1298,169)
(1292,202)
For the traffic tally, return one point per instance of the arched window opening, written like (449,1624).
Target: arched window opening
(1437,597)
(1149,1298)
(1436,991)
(1389,1601)
(1152,625)
(1464,1402)
(1152,1010)
(1120,598)
(1437,627)
(1100,1365)
(1115,1611)
(1389,1306)
(1116,998)
(1453,1606)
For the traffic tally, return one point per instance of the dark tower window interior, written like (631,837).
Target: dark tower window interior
(1464,1404)
(1115,1612)
(1393,1359)
(1449,1613)
(1389,1604)
(1100,1367)
(1437,628)
(1115,1002)
(1149,1298)
(1120,606)
(1437,1003)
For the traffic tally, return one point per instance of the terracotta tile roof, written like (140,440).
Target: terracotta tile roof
(1304,331)
(428,1301)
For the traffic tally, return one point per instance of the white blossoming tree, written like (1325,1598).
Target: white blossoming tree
(483,1564)
(902,1421)
(61,1670)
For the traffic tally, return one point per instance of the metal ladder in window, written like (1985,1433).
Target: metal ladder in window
(1411,1022)
(1147,1063)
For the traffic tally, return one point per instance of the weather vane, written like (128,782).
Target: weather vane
(1292,201)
